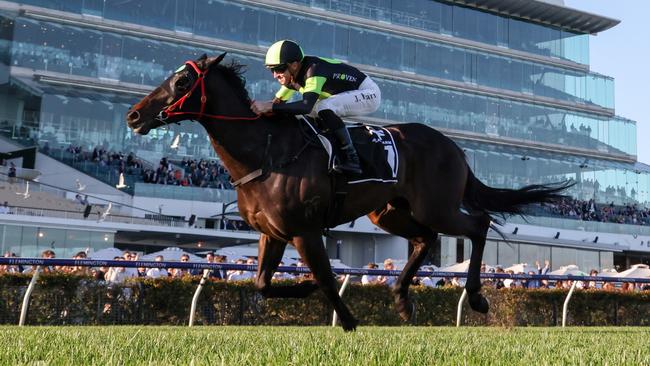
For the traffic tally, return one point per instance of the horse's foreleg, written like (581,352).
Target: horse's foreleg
(269,256)
(400,222)
(312,251)
(421,247)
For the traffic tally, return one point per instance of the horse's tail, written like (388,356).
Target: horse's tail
(503,202)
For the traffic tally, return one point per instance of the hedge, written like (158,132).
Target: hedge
(61,299)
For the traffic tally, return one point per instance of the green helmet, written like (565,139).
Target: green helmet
(283,52)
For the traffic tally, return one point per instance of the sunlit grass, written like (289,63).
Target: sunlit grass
(322,346)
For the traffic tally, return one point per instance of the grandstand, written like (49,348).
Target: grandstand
(11,193)
(514,89)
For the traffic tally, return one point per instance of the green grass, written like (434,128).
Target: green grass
(130,345)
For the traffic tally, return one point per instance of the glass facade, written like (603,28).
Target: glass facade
(500,117)
(232,21)
(86,52)
(489,96)
(27,241)
(457,21)
(505,254)
(603,180)
(213,18)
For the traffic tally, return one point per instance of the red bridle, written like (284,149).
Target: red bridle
(176,108)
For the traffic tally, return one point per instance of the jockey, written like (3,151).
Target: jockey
(330,90)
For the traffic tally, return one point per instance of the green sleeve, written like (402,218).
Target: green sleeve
(314,84)
(284,93)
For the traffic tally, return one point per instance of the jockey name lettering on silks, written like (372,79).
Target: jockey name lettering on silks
(364,96)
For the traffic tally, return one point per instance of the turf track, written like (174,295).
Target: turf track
(130,345)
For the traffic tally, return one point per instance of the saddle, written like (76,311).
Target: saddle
(375,145)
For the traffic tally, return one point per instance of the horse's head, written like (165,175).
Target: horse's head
(184,89)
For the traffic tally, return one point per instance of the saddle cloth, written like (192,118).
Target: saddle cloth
(375,146)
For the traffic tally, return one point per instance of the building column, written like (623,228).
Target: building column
(447,251)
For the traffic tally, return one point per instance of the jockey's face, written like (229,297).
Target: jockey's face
(285,77)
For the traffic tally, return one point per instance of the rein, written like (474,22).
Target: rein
(175,108)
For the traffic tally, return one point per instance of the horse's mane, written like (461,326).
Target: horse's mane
(233,73)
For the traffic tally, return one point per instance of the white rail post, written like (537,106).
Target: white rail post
(28,293)
(459,311)
(565,308)
(195,298)
(341,291)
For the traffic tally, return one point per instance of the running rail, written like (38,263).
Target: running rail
(341,291)
(28,293)
(459,309)
(565,308)
(195,298)
(247,267)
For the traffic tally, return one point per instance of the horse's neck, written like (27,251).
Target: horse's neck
(241,144)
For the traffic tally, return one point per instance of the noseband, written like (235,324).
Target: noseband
(176,108)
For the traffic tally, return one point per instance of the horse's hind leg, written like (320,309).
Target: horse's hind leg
(311,249)
(474,227)
(399,222)
(269,256)
(473,285)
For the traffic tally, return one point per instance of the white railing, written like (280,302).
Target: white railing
(207,267)
(78,215)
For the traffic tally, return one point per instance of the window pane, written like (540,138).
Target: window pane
(508,254)
(563,257)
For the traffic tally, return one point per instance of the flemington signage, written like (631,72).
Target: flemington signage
(253,268)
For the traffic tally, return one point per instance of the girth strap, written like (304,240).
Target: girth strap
(259,172)
(267,161)
(247,178)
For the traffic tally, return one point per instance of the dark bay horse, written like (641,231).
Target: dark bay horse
(287,201)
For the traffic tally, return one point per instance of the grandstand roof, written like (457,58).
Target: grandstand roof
(544,12)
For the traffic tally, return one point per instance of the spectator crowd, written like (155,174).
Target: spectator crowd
(117,275)
(188,172)
(591,211)
(185,172)
(121,274)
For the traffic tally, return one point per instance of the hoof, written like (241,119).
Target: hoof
(479,303)
(350,325)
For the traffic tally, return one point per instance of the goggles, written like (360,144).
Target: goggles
(279,68)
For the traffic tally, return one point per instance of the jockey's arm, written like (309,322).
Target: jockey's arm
(303,106)
(284,94)
(310,93)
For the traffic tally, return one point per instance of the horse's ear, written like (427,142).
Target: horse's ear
(217,60)
(207,62)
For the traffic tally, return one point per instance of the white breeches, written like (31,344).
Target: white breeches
(364,100)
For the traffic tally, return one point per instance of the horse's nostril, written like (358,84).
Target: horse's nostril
(133,116)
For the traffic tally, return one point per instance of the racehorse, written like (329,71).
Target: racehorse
(284,186)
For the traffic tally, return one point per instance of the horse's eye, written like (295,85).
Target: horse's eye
(182,83)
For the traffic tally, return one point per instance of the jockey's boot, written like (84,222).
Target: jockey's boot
(349,160)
